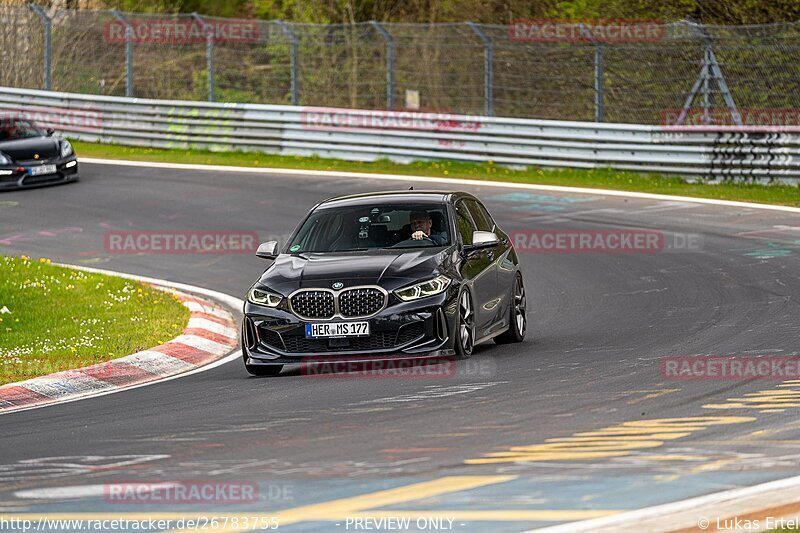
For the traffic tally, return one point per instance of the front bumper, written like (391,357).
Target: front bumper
(17,176)
(422,328)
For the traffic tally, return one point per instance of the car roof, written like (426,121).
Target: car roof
(410,196)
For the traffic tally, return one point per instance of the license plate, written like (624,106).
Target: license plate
(44,169)
(337,329)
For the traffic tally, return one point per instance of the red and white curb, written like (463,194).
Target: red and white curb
(210,335)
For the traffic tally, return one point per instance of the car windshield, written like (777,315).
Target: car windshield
(14,128)
(351,228)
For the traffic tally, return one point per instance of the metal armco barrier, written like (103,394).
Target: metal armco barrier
(404,136)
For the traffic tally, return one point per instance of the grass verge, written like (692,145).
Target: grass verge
(599,178)
(55,318)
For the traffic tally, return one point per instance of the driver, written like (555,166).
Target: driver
(9,131)
(422,228)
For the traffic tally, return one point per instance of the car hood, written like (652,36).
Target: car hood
(24,149)
(390,269)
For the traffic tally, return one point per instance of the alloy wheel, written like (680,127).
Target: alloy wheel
(520,319)
(466,333)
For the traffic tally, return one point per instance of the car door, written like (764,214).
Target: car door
(504,277)
(477,267)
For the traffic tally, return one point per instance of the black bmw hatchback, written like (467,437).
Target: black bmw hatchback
(32,157)
(394,274)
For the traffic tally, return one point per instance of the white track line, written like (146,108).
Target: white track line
(428,179)
(664,515)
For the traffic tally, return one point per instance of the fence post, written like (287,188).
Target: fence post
(599,86)
(599,95)
(488,69)
(293,65)
(128,53)
(389,62)
(706,72)
(48,43)
(209,33)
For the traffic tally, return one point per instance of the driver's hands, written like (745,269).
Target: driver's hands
(418,235)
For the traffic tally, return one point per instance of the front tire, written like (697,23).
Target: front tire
(518,320)
(465,326)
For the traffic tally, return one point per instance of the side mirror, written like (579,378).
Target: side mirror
(50,132)
(484,239)
(267,250)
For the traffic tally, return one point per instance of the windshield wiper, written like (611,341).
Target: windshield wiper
(332,251)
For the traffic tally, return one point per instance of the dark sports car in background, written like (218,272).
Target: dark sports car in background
(407,274)
(32,157)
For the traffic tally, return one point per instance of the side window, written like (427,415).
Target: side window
(483,220)
(464,222)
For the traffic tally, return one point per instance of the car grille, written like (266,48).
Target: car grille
(379,340)
(410,332)
(28,180)
(272,338)
(313,304)
(360,302)
(376,341)
(353,303)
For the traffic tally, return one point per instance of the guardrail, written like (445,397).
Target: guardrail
(711,152)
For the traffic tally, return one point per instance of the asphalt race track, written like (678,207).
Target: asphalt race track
(323,450)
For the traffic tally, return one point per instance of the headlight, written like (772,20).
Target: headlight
(270,299)
(4,159)
(66,148)
(424,289)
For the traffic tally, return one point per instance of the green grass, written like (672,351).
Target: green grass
(600,179)
(54,318)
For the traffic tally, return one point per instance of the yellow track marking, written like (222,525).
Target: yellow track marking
(614,441)
(650,394)
(342,508)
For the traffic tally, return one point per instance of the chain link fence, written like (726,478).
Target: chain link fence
(458,68)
